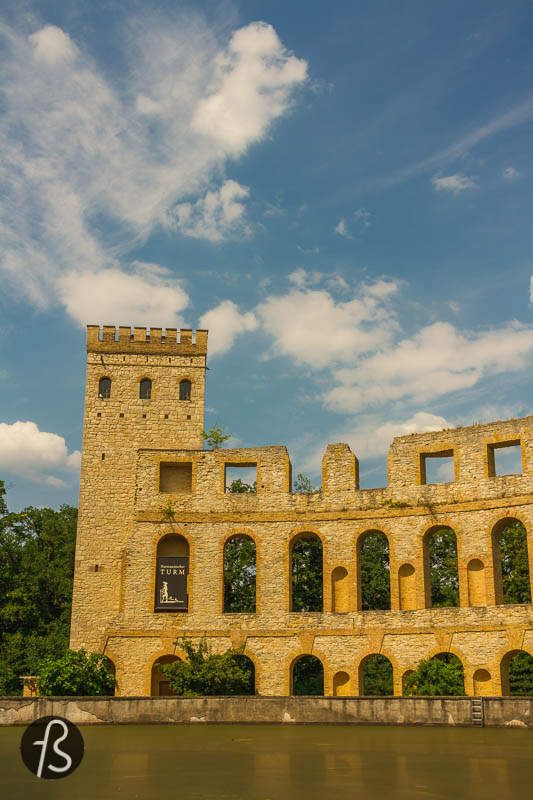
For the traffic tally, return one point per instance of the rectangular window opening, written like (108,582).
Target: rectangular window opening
(240,478)
(176,478)
(505,458)
(437,467)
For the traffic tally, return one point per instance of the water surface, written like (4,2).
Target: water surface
(282,762)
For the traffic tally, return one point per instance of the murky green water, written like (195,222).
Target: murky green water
(280,762)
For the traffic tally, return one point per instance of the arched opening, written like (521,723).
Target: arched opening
(307,676)
(440,568)
(457,669)
(404,678)
(376,676)
(340,591)
(104,388)
(441,675)
(511,562)
(239,575)
(247,665)
(160,684)
(342,685)
(185,390)
(517,673)
(482,683)
(373,568)
(477,589)
(307,587)
(407,587)
(172,574)
(145,389)
(110,666)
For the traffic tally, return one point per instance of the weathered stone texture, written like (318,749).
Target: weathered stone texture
(124,514)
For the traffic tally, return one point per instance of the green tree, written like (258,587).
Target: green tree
(240,487)
(308,677)
(214,437)
(36,571)
(76,673)
(306,574)
(515,565)
(206,674)
(377,676)
(444,575)
(440,676)
(239,575)
(303,484)
(375,572)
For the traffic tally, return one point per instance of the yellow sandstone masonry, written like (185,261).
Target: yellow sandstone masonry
(145,475)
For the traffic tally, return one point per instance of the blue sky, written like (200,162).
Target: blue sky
(341,194)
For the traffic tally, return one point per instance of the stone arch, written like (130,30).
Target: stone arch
(373,568)
(376,675)
(510,559)
(236,590)
(172,543)
(113,662)
(340,590)
(159,683)
(405,675)
(449,655)
(482,683)
(441,567)
(309,677)
(342,684)
(304,561)
(477,584)
(407,587)
(521,682)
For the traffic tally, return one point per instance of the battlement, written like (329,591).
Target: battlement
(153,341)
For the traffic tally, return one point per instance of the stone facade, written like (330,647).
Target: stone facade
(131,499)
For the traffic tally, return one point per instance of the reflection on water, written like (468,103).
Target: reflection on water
(282,762)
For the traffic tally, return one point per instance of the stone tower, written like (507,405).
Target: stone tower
(145,389)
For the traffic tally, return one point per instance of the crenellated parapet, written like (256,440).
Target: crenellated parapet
(149,341)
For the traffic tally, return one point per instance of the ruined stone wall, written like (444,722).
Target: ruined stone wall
(125,514)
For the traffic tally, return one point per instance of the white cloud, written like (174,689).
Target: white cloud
(302,278)
(112,296)
(216,216)
(341,229)
(510,173)
(454,183)
(310,326)
(438,359)
(225,323)
(30,453)
(251,87)
(102,163)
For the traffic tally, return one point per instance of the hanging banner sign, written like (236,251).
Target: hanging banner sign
(171,585)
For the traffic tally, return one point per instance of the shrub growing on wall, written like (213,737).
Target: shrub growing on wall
(77,673)
(440,676)
(205,673)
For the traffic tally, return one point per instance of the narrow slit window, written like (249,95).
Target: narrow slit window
(145,389)
(185,390)
(505,458)
(437,467)
(104,388)
(241,478)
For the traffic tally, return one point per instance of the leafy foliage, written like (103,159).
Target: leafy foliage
(239,575)
(205,673)
(308,677)
(375,572)
(214,436)
(306,574)
(443,568)
(521,674)
(238,486)
(377,676)
(515,567)
(440,676)
(303,484)
(36,571)
(76,673)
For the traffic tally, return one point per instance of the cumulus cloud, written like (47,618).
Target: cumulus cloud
(216,216)
(454,183)
(32,454)
(91,166)
(225,322)
(110,296)
(438,359)
(315,329)
(510,173)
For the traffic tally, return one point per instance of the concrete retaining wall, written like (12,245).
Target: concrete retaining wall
(513,712)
